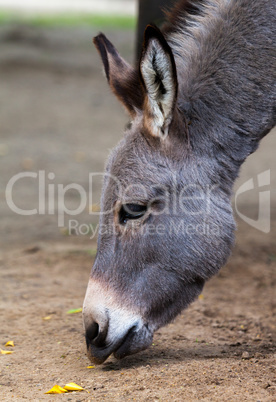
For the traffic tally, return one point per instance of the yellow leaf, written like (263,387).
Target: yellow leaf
(71,386)
(5,352)
(56,390)
(90,367)
(200,297)
(48,317)
(75,310)
(10,343)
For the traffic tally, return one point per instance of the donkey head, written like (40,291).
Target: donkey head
(165,225)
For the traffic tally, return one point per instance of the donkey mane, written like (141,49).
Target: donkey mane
(182,11)
(217,60)
(220,49)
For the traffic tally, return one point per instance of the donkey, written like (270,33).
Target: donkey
(200,100)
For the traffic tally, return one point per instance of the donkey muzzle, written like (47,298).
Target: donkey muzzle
(111,328)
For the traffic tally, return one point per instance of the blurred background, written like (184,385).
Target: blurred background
(57,113)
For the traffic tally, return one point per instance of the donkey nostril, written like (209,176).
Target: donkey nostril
(91,333)
(95,335)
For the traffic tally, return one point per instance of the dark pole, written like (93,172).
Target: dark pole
(150,11)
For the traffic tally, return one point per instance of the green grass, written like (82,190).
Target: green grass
(70,20)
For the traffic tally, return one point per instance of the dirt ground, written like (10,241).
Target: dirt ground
(221,348)
(56,115)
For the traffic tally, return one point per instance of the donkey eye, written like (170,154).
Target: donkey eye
(131,211)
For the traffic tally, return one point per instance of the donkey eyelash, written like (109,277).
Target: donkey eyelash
(131,212)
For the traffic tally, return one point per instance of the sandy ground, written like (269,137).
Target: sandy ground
(221,349)
(57,116)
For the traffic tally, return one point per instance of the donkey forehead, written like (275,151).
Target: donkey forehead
(137,184)
(135,160)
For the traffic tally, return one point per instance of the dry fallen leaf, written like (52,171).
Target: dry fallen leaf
(71,386)
(48,317)
(56,390)
(73,311)
(10,343)
(5,352)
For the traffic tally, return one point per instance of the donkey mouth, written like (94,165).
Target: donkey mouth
(132,342)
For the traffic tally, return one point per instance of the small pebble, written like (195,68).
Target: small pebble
(245,355)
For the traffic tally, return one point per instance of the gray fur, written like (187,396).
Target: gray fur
(225,85)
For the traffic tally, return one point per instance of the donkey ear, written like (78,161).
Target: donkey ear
(122,78)
(158,72)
